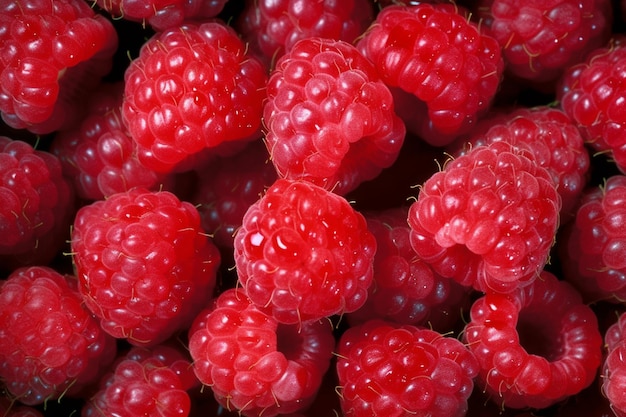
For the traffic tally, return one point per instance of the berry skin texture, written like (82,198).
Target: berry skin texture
(536,346)
(255,365)
(51,53)
(614,367)
(303,253)
(144,264)
(50,344)
(192,88)
(36,205)
(488,219)
(330,118)
(445,68)
(401,370)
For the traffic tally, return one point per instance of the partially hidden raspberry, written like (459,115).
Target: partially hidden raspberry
(50,344)
(614,366)
(36,205)
(12,408)
(330,119)
(145,382)
(445,69)
(144,264)
(535,346)
(190,89)
(401,370)
(488,219)
(303,253)
(406,290)
(52,52)
(253,364)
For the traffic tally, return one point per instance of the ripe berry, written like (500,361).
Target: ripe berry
(614,367)
(303,253)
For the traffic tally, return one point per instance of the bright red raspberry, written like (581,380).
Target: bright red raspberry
(592,94)
(272,27)
(535,346)
(540,39)
(593,247)
(402,370)
(162,14)
(445,68)
(50,344)
(145,382)
(51,53)
(406,290)
(255,365)
(614,366)
(330,118)
(191,88)
(488,219)
(36,205)
(144,264)
(99,154)
(303,253)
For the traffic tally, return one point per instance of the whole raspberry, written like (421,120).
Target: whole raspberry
(593,248)
(592,94)
(402,370)
(535,346)
(405,289)
(488,219)
(50,344)
(540,39)
(614,366)
(445,68)
(330,119)
(191,88)
(303,253)
(254,364)
(51,53)
(144,264)
(145,382)
(36,205)
(272,27)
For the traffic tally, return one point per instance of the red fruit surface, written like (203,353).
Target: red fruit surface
(10,408)
(50,344)
(144,264)
(255,365)
(614,367)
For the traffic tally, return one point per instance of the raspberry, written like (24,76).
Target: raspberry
(330,118)
(50,345)
(254,364)
(273,27)
(535,346)
(303,253)
(592,92)
(52,52)
(145,382)
(192,87)
(594,246)
(36,205)
(488,219)
(540,40)
(614,366)
(11,409)
(397,370)
(445,68)
(406,290)
(144,264)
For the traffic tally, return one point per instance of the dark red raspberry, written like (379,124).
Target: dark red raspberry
(535,346)
(51,53)
(144,264)
(36,205)
(145,382)
(192,87)
(11,408)
(303,253)
(396,370)
(50,344)
(445,68)
(330,118)
(488,219)
(255,365)
(405,289)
